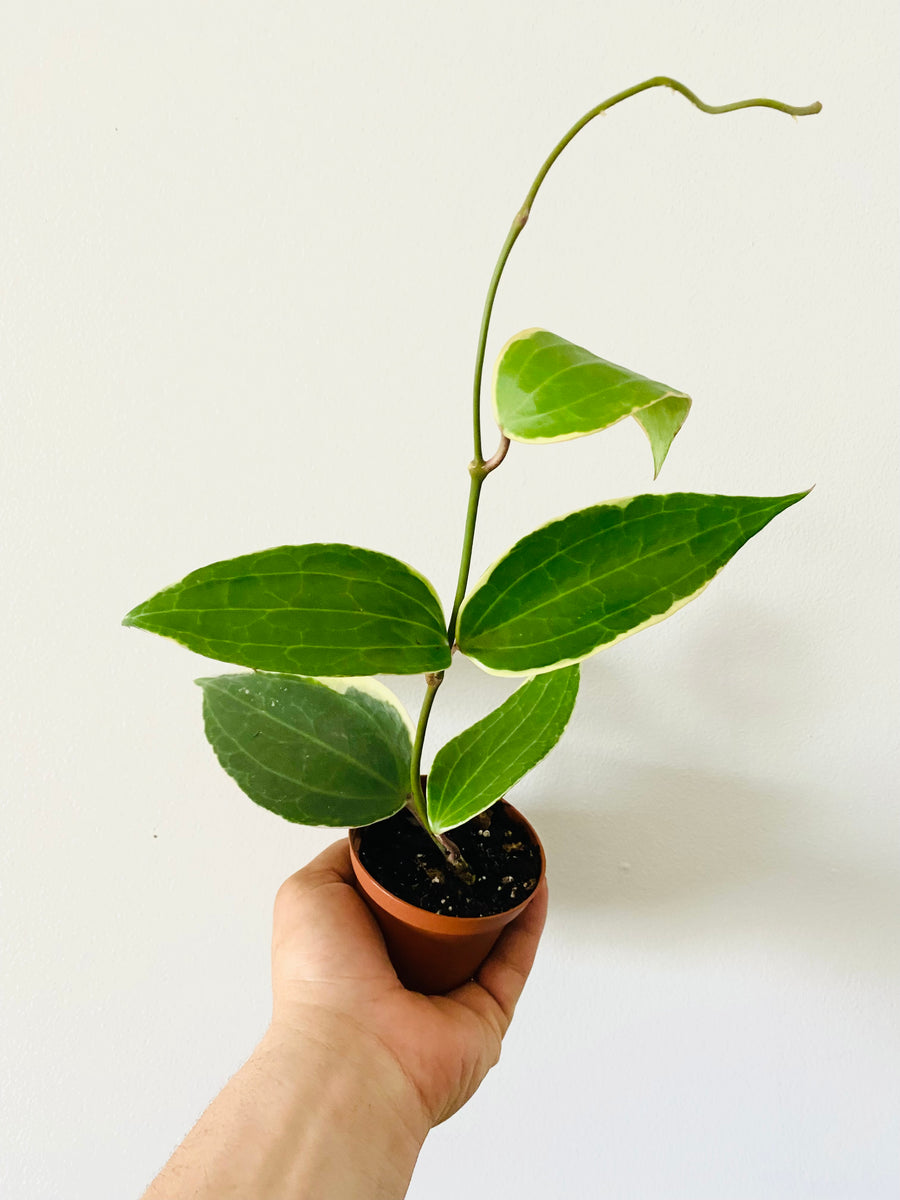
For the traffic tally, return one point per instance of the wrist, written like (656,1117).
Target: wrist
(349,1102)
(308,1115)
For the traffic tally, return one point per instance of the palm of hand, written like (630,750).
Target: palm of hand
(331,971)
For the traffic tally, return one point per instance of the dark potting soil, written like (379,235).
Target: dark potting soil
(498,849)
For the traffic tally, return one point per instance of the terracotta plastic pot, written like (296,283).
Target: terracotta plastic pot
(432,953)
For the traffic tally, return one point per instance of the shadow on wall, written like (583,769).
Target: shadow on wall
(752,677)
(673,836)
(692,856)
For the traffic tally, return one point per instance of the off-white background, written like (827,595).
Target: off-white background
(243,250)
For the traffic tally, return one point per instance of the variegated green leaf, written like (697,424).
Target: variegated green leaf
(315,751)
(306,610)
(480,765)
(548,390)
(594,577)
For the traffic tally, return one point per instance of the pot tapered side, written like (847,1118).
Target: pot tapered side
(433,953)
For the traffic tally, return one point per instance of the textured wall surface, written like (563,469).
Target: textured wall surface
(243,252)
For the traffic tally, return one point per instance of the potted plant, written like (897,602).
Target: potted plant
(309,733)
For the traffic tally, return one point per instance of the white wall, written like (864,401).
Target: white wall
(243,250)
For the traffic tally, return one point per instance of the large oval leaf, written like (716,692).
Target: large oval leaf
(315,751)
(480,765)
(594,577)
(548,390)
(306,610)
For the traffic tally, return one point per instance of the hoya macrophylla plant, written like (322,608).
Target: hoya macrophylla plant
(309,733)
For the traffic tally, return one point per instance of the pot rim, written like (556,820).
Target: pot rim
(440,923)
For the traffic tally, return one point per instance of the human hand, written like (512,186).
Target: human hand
(339,1095)
(333,982)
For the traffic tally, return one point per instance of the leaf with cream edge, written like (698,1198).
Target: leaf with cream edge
(318,609)
(547,389)
(480,765)
(586,581)
(315,751)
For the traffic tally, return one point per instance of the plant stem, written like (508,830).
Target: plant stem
(416,798)
(478,465)
(480,468)
(417,803)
